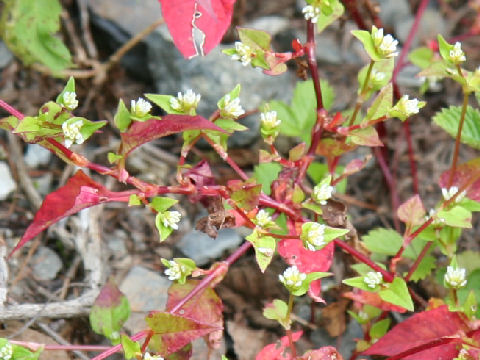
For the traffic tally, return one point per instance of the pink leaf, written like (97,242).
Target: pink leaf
(324,353)
(80,192)
(142,132)
(412,212)
(464,174)
(173,332)
(420,331)
(197,26)
(277,351)
(205,308)
(294,253)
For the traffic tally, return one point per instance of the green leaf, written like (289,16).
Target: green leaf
(384,67)
(383,241)
(456,217)
(328,94)
(230,125)
(473,284)
(306,283)
(336,10)
(421,57)
(367,137)
(233,95)
(318,171)
(160,204)
(278,310)
(444,48)
(358,282)
(366,39)
(424,268)
(255,39)
(265,173)
(113,158)
(449,118)
(70,87)
(122,118)
(470,306)
(163,101)
(163,230)
(379,329)
(109,312)
(397,293)
(245,195)
(381,105)
(264,248)
(134,200)
(89,127)
(130,348)
(29,27)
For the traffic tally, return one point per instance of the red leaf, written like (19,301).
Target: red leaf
(294,253)
(173,332)
(276,351)
(142,132)
(324,353)
(463,174)
(205,308)
(188,19)
(428,327)
(373,299)
(80,192)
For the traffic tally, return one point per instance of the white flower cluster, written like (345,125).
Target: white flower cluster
(315,236)
(292,278)
(372,279)
(450,192)
(386,45)
(457,55)
(232,107)
(170,219)
(263,219)
(147,356)
(321,193)
(455,277)
(185,102)
(312,12)
(406,107)
(140,108)
(6,352)
(243,53)
(175,270)
(269,120)
(71,132)
(70,100)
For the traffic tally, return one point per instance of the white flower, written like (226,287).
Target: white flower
(311,13)
(71,132)
(292,278)
(263,219)
(437,220)
(321,193)
(449,193)
(386,45)
(269,120)
(377,76)
(232,108)
(6,351)
(175,270)
(455,277)
(243,53)
(147,356)
(315,236)
(406,107)
(140,108)
(170,219)
(185,102)
(457,55)
(70,100)
(372,279)
(363,315)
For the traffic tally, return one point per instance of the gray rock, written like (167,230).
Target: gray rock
(408,77)
(5,55)
(345,343)
(7,184)
(46,264)
(202,248)
(432,23)
(213,76)
(271,24)
(37,155)
(116,244)
(146,291)
(393,11)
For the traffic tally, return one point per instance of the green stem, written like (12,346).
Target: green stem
(289,331)
(458,138)
(360,99)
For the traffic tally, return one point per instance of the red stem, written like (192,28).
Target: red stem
(388,277)
(351,6)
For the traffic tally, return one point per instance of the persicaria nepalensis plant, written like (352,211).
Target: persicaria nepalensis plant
(285,214)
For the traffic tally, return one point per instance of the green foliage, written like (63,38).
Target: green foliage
(17,352)
(397,293)
(130,348)
(448,119)
(383,241)
(265,173)
(298,119)
(161,204)
(381,105)
(264,248)
(29,27)
(366,39)
(278,310)
(122,118)
(329,14)
(379,329)
(317,171)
